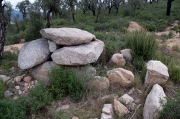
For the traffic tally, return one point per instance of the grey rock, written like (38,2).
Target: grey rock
(67,36)
(126,99)
(33,53)
(5,78)
(52,46)
(79,55)
(154,102)
(41,71)
(157,73)
(127,54)
(106,116)
(7,93)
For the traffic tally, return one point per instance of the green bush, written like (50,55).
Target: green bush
(141,44)
(7,55)
(9,60)
(138,62)
(12,39)
(171,110)
(174,71)
(38,98)
(64,82)
(2,88)
(35,24)
(13,109)
(162,57)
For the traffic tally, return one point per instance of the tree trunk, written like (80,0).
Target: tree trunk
(44,14)
(2,29)
(109,10)
(94,12)
(150,1)
(168,7)
(117,9)
(48,18)
(51,8)
(16,22)
(73,17)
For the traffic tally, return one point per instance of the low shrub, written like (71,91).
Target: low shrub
(38,98)
(13,109)
(174,71)
(7,55)
(138,62)
(176,48)
(64,82)
(2,88)
(141,44)
(171,109)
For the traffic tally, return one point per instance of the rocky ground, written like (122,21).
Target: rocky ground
(127,101)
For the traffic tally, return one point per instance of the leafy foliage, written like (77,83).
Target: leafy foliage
(2,89)
(171,109)
(141,44)
(64,82)
(38,98)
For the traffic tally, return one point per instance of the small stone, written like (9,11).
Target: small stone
(137,101)
(11,69)
(20,92)
(75,117)
(17,87)
(15,97)
(139,91)
(26,88)
(126,99)
(63,107)
(120,109)
(36,81)
(131,91)
(7,93)
(18,78)
(26,84)
(27,79)
(106,116)
(107,109)
(4,78)
(32,82)
(131,106)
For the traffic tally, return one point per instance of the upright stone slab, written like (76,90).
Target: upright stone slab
(154,102)
(67,36)
(33,53)
(157,72)
(79,55)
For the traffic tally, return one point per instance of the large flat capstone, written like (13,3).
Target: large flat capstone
(67,36)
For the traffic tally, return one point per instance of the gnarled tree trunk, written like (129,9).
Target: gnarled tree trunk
(2,29)
(168,7)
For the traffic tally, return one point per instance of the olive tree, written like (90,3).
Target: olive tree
(2,29)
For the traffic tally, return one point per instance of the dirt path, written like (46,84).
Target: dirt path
(13,48)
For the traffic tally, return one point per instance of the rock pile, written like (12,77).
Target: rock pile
(63,46)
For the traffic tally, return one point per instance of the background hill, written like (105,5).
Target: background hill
(14,13)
